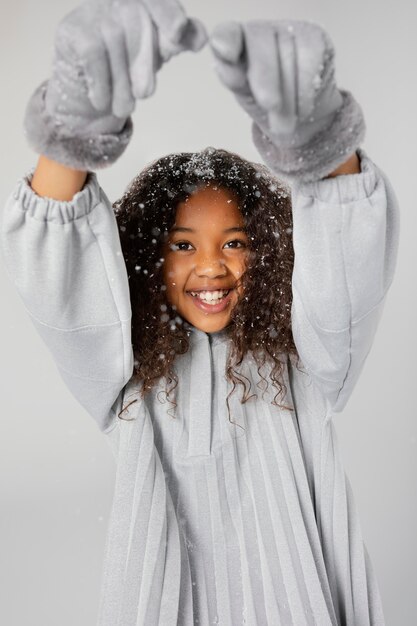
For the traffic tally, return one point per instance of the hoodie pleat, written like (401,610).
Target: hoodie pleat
(223,613)
(297,597)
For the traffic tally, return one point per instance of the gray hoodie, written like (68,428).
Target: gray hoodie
(212,523)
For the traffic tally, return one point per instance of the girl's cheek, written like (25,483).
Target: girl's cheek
(169,269)
(242,267)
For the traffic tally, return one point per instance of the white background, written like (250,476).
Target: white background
(56,469)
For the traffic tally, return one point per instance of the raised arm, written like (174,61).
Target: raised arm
(345,237)
(344,210)
(59,235)
(65,261)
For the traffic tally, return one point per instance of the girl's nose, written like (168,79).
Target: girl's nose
(212,267)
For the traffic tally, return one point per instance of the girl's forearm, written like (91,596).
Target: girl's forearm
(57,181)
(351,166)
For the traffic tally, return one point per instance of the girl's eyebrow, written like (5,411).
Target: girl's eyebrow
(183,229)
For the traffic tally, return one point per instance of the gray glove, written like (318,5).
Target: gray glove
(107,54)
(282,74)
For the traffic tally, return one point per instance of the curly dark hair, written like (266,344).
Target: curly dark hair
(261,320)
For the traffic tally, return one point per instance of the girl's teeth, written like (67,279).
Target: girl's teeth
(211,296)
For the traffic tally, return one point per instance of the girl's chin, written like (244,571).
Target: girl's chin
(209,330)
(206,322)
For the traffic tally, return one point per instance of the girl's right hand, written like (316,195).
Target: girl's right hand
(107,54)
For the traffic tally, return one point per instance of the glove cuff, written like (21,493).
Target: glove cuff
(323,153)
(51,139)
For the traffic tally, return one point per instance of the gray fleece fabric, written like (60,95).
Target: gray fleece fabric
(210,523)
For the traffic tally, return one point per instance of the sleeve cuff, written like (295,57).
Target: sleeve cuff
(346,187)
(47,209)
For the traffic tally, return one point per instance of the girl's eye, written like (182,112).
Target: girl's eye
(178,245)
(242,244)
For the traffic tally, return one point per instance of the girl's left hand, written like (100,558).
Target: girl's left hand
(282,74)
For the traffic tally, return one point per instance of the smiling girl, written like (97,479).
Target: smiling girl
(202,274)
(212,321)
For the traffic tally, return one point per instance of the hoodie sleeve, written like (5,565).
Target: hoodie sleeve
(345,238)
(66,263)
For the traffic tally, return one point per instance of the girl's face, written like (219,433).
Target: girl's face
(205,256)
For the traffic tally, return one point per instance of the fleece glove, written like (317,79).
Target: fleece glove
(282,74)
(107,54)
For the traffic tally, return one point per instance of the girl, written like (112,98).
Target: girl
(212,322)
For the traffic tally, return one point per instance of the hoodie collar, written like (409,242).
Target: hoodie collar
(215,338)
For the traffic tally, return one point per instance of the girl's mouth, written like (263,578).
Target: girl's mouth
(211,301)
